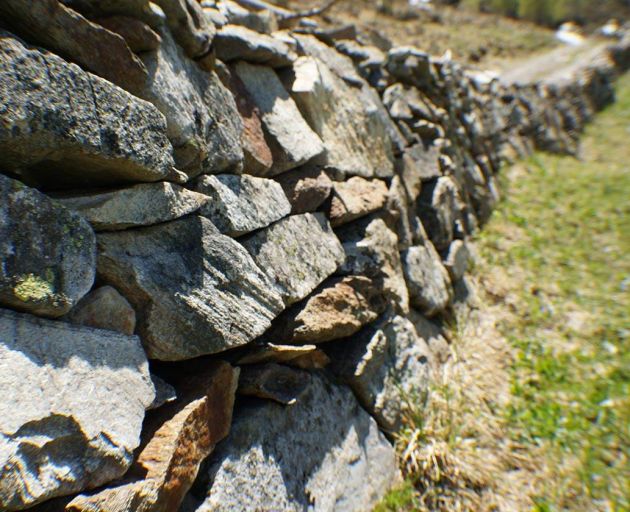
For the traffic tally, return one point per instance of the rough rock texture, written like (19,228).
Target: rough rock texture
(233,42)
(104,135)
(306,188)
(297,253)
(189,25)
(440,207)
(336,310)
(207,298)
(456,261)
(355,198)
(302,356)
(272,382)
(203,122)
(265,438)
(336,113)
(181,436)
(291,140)
(388,366)
(138,35)
(140,205)
(104,308)
(47,253)
(240,204)
(62,429)
(427,280)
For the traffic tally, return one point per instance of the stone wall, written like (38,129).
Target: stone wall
(229,241)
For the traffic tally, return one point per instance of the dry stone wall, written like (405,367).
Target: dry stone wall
(228,243)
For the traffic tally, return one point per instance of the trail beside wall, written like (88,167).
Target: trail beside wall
(229,241)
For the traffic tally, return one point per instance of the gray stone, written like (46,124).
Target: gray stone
(240,204)
(291,139)
(203,121)
(388,366)
(344,462)
(456,261)
(196,291)
(440,207)
(189,25)
(47,253)
(263,21)
(433,335)
(427,280)
(62,125)
(140,205)
(138,35)
(355,198)
(104,308)
(297,253)
(164,393)
(234,42)
(73,407)
(272,382)
(418,164)
(306,188)
(354,144)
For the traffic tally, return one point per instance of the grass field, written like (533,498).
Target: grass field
(533,412)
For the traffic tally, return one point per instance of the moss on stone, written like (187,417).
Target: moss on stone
(32,288)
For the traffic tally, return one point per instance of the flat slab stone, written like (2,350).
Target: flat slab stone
(355,198)
(234,42)
(73,407)
(103,136)
(48,253)
(104,308)
(141,205)
(240,204)
(297,253)
(345,463)
(195,290)
(291,139)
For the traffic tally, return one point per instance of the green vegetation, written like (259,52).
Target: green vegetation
(554,271)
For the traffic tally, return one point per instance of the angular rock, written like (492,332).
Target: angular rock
(140,9)
(388,366)
(182,435)
(306,188)
(48,253)
(372,250)
(337,310)
(418,164)
(51,24)
(104,308)
(62,429)
(138,35)
(297,253)
(345,463)
(291,140)
(274,353)
(440,207)
(104,135)
(240,204)
(263,21)
(235,42)
(354,145)
(427,280)
(355,198)
(457,259)
(140,205)
(272,382)
(164,392)
(402,214)
(203,122)
(433,335)
(189,25)
(196,291)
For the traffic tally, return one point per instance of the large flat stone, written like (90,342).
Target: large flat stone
(344,462)
(73,407)
(141,205)
(196,291)
(355,198)
(297,253)
(291,140)
(48,253)
(240,204)
(62,125)
(235,42)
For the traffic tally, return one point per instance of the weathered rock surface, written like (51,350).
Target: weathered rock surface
(440,207)
(62,429)
(138,35)
(164,392)
(203,122)
(189,25)
(427,280)
(456,261)
(301,356)
(182,435)
(291,140)
(337,310)
(265,438)
(104,135)
(417,165)
(272,382)
(306,188)
(235,42)
(196,291)
(354,145)
(431,332)
(141,205)
(388,366)
(48,253)
(104,308)
(240,204)
(297,253)
(355,198)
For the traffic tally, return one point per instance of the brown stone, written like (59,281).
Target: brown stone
(180,436)
(272,382)
(104,308)
(306,188)
(138,35)
(355,198)
(302,356)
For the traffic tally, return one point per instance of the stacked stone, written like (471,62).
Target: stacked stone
(228,249)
